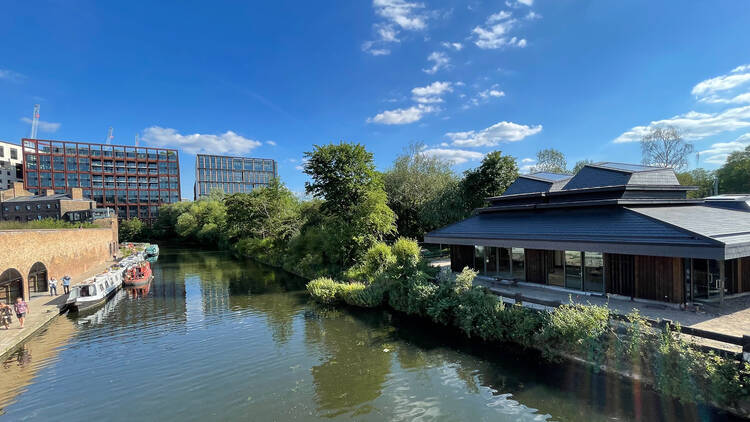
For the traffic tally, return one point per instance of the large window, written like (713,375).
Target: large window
(504,262)
(593,277)
(490,260)
(573,273)
(479,258)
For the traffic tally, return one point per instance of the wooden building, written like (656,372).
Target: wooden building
(612,228)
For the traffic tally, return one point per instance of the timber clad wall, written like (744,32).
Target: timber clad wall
(461,256)
(744,270)
(645,277)
(535,266)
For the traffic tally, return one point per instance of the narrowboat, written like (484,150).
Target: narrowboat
(94,291)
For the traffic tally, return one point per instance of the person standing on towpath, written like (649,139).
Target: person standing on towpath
(53,286)
(66,284)
(21,309)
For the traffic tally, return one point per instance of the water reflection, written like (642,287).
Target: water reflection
(217,338)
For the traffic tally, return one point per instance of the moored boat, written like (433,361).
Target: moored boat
(152,252)
(137,273)
(94,291)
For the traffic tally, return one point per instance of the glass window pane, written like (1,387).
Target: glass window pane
(504,263)
(594,272)
(490,260)
(573,261)
(479,258)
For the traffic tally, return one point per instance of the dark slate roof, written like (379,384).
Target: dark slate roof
(618,174)
(730,227)
(597,229)
(42,198)
(537,182)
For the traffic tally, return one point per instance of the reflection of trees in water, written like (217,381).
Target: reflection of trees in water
(356,364)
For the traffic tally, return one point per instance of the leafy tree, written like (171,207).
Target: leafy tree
(701,178)
(664,147)
(579,165)
(341,174)
(355,211)
(446,208)
(734,175)
(415,180)
(130,230)
(550,160)
(269,212)
(491,178)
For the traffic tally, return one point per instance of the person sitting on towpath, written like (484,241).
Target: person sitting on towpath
(53,286)
(66,284)
(6,315)
(21,309)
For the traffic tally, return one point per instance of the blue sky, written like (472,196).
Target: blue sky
(270,79)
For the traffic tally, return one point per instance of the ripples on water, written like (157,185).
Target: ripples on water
(219,339)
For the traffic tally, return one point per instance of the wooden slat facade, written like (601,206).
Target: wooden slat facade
(536,270)
(461,256)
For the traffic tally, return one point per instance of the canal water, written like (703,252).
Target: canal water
(214,338)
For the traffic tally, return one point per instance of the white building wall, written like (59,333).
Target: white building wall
(11,155)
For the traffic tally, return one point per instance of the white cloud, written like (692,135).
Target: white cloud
(493,135)
(402,116)
(483,96)
(495,34)
(491,93)
(519,3)
(695,125)
(301,165)
(526,165)
(533,15)
(272,143)
(456,156)
(453,45)
(225,143)
(396,15)
(43,126)
(717,153)
(431,93)
(11,76)
(439,59)
(739,76)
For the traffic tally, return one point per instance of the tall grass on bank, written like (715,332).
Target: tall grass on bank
(47,223)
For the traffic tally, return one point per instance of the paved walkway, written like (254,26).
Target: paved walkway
(42,310)
(732,318)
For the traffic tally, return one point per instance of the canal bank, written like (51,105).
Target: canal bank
(43,309)
(220,339)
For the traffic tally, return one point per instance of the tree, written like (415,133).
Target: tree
(579,165)
(130,230)
(341,174)
(734,175)
(491,178)
(701,178)
(269,212)
(414,180)
(550,160)
(355,210)
(664,147)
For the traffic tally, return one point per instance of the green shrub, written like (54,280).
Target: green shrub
(406,253)
(465,279)
(324,290)
(576,329)
(378,258)
(519,325)
(363,296)
(476,312)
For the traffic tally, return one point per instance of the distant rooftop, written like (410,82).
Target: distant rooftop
(634,168)
(35,198)
(545,175)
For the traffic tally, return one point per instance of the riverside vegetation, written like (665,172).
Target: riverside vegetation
(346,240)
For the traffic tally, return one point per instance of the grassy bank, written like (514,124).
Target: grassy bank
(47,223)
(397,279)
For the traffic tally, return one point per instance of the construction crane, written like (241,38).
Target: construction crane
(136,139)
(35,121)
(110,136)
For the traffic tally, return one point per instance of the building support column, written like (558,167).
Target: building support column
(722,276)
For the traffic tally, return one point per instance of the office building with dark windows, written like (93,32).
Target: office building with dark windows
(132,180)
(231,174)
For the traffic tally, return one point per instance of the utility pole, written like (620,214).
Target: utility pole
(110,136)
(35,121)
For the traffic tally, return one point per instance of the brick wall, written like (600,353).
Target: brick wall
(64,251)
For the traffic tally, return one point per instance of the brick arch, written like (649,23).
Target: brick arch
(11,285)
(37,278)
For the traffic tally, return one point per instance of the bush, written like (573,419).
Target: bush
(578,329)
(363,296)
(465,279)
(406,252)
(324,290)
(519,325)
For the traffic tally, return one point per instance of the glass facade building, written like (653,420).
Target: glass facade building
(231,174)
(135,181)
